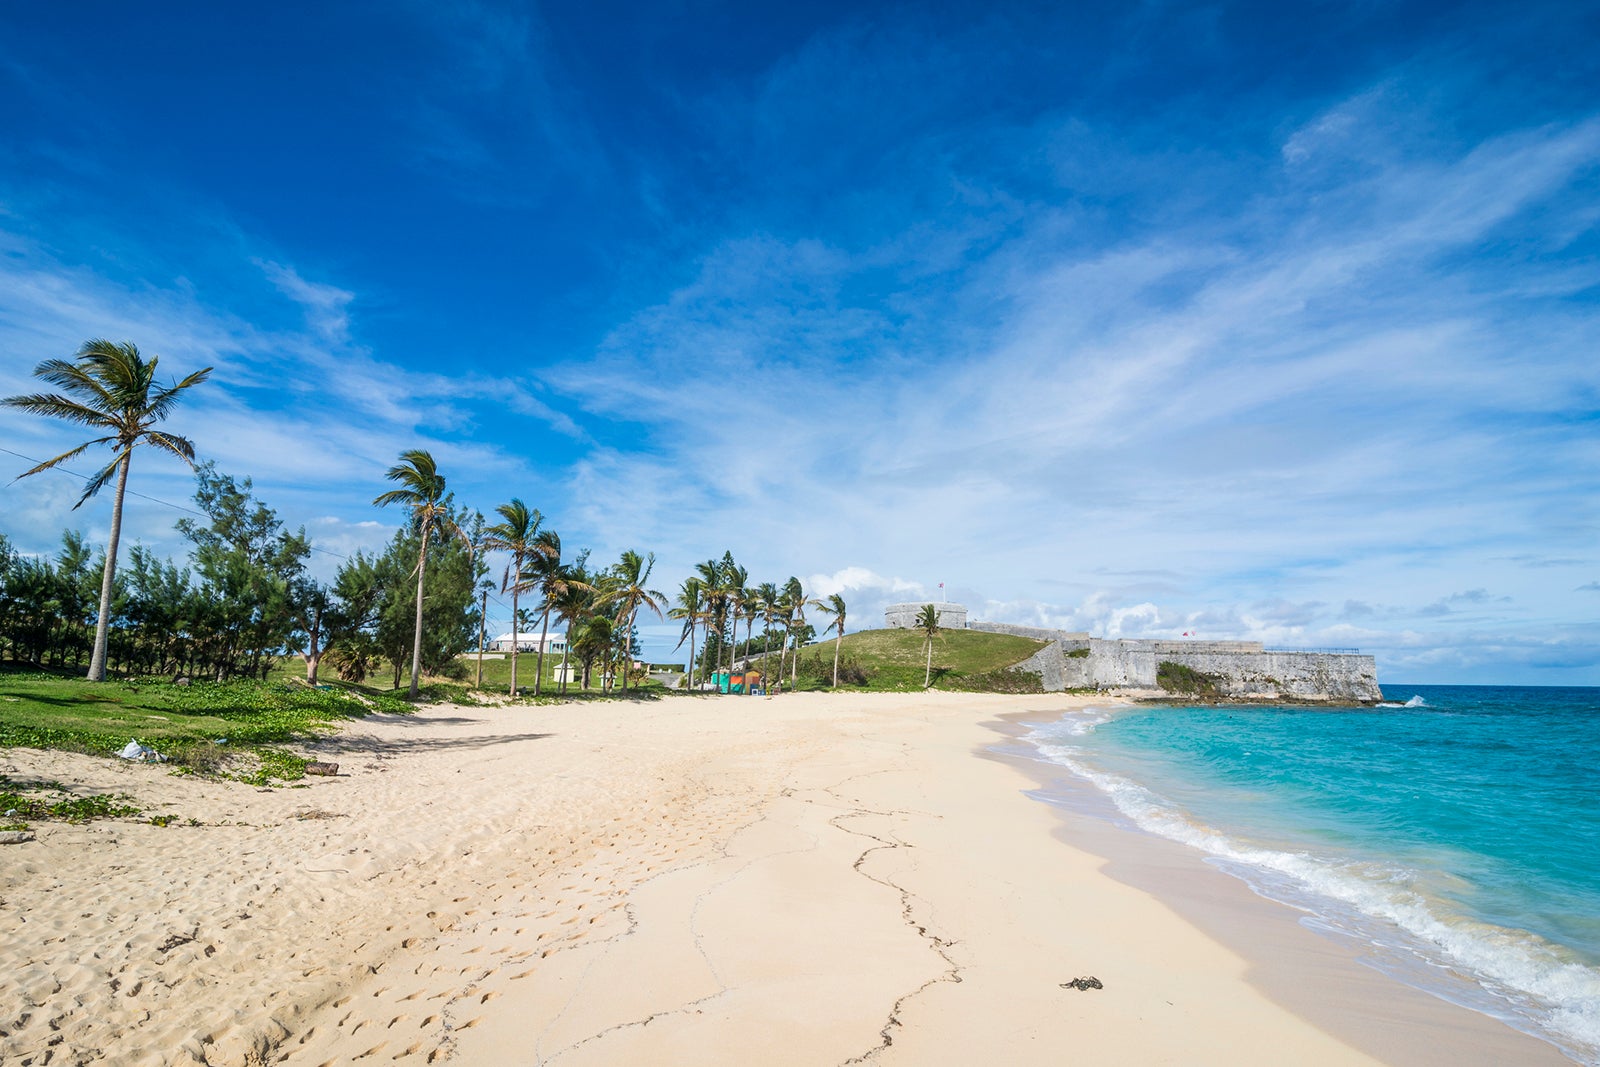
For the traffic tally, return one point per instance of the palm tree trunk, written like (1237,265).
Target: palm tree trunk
(794,666)
(515,648)
(102,626)
(416,640)
(538,670)
(749,623)
(691,654)
(836,645)
(627,650)
(783,650)
(927,674)
(483,622)
(766,653)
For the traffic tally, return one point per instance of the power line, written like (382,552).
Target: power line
(199,514)
(155,500)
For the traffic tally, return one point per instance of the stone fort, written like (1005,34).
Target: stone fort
(1241,670)
(904,616)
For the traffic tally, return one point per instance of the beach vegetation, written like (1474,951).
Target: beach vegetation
(1178,678)
(215,729)
(22,802)
(110,388)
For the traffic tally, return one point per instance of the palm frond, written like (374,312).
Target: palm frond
(181,447)
(164,399)
(76,452)
(56,406)
(98,482)
(75,378)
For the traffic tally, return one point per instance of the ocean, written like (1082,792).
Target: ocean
(1453,832)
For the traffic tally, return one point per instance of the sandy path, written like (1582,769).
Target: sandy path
(806,880)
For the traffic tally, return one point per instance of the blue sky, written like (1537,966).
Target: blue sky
(1275,321)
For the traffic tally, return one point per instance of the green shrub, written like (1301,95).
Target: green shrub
(1177,678)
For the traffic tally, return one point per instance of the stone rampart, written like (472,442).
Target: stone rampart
(904,616)
(1239,670)
(1038,633)
(1319,676)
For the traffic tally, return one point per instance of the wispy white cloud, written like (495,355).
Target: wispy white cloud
(326,306)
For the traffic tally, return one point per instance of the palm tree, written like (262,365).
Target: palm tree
(751,610)
(628,594)
(928,623)
(713,583)
(551,578)
(766,599)
(516,533)
(834,608)
(691,607)
(573,600)
(735,578)
(794,607)
(422,492)
(111,388)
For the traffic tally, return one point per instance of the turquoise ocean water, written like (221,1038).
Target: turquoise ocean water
(1454,832)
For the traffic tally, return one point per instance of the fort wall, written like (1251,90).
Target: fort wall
(1236,670)
(904,616)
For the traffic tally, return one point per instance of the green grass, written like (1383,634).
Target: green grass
(893,661)
(232,728)
(496,681)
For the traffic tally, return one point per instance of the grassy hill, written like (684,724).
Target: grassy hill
(966,660)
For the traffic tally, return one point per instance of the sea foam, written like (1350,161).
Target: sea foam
(1521,978)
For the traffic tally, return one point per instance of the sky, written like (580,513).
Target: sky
(1257,321)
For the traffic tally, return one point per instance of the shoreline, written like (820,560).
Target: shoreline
(1325,979)
(814,879)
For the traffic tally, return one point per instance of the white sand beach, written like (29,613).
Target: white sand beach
(811,879)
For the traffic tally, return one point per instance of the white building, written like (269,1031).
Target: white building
(554,644)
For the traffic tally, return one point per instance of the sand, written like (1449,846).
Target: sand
(811,879)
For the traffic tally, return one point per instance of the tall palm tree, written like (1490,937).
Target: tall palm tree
(792,606)
(713,583)
(573,600)
(928,623)
(750,611)
(766,598)
(422,493)
(735,578)
(628,593)
(112,388)
(550,578)
(516,533)
(833,607)
(690,607)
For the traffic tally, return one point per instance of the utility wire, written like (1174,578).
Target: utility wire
(200,514)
